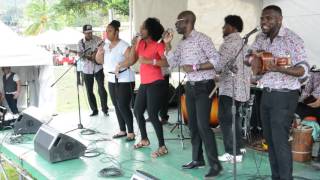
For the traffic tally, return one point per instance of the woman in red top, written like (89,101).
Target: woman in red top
(150,53)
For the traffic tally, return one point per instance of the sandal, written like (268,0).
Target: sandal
(119,135)
(160,152)
(141,144)
(130,138)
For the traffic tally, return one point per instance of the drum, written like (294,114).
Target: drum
(302,144)
(213,121)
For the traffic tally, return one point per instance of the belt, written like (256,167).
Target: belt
(194,83)
(119,71)
(267,89)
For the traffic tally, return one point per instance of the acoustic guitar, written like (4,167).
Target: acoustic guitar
(261,61)
(213,121)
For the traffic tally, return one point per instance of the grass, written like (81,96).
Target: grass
(66,90)
(12,174)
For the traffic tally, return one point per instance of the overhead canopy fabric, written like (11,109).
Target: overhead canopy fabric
(16,51)
(301,16)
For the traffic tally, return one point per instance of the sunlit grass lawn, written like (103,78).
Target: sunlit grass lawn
(66,90)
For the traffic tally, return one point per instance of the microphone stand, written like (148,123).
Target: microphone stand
(80,126)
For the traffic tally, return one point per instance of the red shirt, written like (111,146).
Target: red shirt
(151,50)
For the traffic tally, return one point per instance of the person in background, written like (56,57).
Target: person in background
(120,81)
(164,117)
(309,101)
(11,88)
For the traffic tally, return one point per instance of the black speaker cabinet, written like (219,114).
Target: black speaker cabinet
(55,146)
(30,121)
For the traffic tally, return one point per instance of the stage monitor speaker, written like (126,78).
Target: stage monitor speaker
(30,121)
(141,175)
(55,146)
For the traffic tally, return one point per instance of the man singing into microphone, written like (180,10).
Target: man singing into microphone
(280,88)
(197,55)
(239,83)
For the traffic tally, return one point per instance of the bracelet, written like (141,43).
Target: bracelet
(198,67)
(154,62)
(194,67)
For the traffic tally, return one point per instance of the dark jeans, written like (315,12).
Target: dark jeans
(304,110)
(225,120)
(150,97)
(164,108)
(121,94)
(277,112)
(198,107)
(89,80)
(12,103)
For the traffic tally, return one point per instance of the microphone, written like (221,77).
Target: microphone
(168,31)
(258,28)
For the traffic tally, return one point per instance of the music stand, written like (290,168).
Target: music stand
(179,123)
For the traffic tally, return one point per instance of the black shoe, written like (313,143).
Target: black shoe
(164,121)
(106,113)
(193,164)
(213,172)
(94,113)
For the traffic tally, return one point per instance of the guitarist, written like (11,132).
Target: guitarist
(88,49)
(280,88)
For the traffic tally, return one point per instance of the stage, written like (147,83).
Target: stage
(119,153)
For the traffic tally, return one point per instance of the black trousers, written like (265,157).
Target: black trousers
(198,107)
(89,81)
(121,94)
(79,78)
(164,108)
(304,110)
(277,112)
(150,97)
(225,120)
(12,103)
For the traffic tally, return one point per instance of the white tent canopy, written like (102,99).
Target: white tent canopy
(302,17)
(53,37)
(16,51)
(32,64)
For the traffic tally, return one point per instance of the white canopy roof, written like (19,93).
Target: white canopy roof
(17,51)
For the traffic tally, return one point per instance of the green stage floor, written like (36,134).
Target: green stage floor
(121,153)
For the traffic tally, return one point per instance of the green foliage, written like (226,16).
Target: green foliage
(42,17)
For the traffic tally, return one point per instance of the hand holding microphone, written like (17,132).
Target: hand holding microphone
(136,39)
(167,35)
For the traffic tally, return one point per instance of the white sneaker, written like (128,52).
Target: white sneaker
(228,157)
(243,150)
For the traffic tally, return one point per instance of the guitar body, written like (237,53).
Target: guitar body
(213,120)
(261,61)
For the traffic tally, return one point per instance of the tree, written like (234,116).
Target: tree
(42,17)
(83,6)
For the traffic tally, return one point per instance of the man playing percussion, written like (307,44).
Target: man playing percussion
(309,102)
(280,88)
(240,85)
